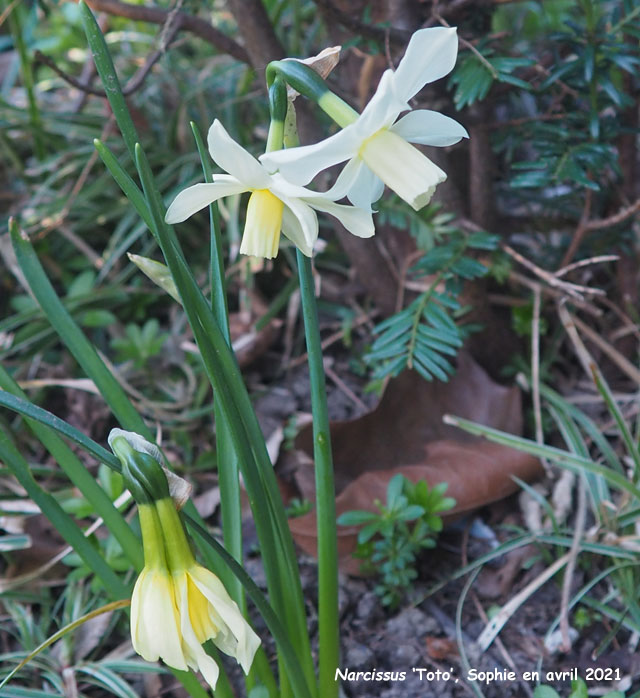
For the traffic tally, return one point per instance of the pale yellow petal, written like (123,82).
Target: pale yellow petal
(155,630)
(195,655)
(237,638)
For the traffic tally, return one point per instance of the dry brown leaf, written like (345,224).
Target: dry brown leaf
(405,434)
(440,648)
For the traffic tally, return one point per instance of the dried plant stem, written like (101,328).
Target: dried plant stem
(535,371)
(579,524)
(580,231)
(621,361)
(575,291)
(495,625)
(184,22)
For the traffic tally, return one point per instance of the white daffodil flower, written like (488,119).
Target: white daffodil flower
(275,204)
(377,143)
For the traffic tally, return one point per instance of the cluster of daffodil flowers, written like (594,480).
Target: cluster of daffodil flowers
(177,604)
(376,144)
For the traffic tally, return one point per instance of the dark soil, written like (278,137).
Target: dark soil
(415,651)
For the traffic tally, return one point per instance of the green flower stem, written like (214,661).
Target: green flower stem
(328,619)
(308,83)
(278,109)
(338,109)
(74,469)
(176,543)
(152,538)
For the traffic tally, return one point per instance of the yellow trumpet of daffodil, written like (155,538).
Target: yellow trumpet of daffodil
(177,604)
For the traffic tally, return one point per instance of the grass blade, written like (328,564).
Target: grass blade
(109,78)
(71,335)
(60,520)
(82,479)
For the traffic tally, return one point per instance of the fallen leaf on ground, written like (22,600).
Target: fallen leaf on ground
(440,648)
(405,434)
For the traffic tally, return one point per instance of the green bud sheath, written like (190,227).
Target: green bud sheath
(142,473)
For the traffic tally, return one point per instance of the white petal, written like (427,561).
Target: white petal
(430,55)
(383,108)
(283,187)
(238,638)
(300,165)
(234,159)
(292,229)
(429,128)
(195,198)
(356,220)
(308,223)
(358,183)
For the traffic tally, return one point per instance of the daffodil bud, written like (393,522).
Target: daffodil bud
(158,273)
(141,467)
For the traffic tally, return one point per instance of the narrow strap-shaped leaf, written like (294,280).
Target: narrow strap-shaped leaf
(38,414)
(564,459)
(129,188)
(60,520)
(73,337)
(109,77)
(82,479)
(228,474)
(227,459)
